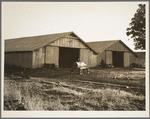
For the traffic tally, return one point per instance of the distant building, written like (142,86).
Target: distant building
(61,49)
(141,58)
(114,52)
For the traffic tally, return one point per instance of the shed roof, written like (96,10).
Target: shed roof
(35,42)
(100,46)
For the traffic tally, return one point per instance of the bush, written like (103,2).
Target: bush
(135,65)
(103,64)
(12,68)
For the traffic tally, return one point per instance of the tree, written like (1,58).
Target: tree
(137,28)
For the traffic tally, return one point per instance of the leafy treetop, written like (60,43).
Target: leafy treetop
(137,28)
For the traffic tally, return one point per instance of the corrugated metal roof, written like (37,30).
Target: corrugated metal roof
(35,42)
(141,55)
(100,46)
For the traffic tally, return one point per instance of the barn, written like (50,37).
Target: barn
(60,49)
(114,53)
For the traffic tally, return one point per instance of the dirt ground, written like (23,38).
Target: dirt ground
(102,89)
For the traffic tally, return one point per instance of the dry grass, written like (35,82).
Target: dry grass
(59,90)
(46,96)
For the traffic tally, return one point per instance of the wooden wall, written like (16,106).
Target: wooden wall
(133,59)
(117,47)
(141,61)
(23,59)
(87,56)
(52,55)
(126,59)
(38,58)
(92,61)
(68,42)
(100,57)
(128,55)
(109,57)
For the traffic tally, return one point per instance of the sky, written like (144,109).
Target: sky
(91,21)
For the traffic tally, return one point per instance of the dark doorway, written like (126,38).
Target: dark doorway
(118,59)
(67,56)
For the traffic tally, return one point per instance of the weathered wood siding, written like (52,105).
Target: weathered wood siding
(84,54)
(117,47)
(133,59)
(87,56)
(141,61)
(68,42)
(128,55)
(23,59)
(109,57)
(92,61)
(52,55)
(126,59)
(38,58)
(51,52)
(100,57)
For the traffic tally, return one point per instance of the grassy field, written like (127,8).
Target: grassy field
(103,89)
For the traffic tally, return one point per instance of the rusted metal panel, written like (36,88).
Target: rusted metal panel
(126,59)
(117,47)
(109,57)
(68,42)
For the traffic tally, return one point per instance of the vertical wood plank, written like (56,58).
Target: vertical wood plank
(108,57)
(126,59)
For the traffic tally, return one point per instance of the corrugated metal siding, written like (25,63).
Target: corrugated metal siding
(23,59)
(38,58)
(109,57)
(126,59)
(52,55)
(117,47)
(68,42)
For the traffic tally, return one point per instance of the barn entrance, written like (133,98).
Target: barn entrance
(118,59)
(67,56)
